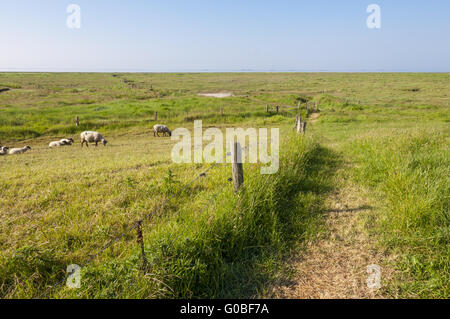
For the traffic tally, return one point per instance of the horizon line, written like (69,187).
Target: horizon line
(50,70)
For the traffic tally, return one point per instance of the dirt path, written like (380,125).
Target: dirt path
(313,117)
(334,265)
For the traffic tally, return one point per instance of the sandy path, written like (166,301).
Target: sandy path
(313,117)
(217,95)
(334,265)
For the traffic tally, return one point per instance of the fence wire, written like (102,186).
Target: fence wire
(133,226)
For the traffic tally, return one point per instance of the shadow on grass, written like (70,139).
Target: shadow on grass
(301,214)
(240,252)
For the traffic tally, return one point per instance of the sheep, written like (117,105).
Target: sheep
(159,128)
(67,141)
(92,137)
(63,142)
(19,150)
(3,150)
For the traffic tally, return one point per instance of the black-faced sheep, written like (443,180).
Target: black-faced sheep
(19,150)
(92,137)
(159,128)
(3,150)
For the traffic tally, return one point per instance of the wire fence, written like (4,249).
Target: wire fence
(135,225)
(138,223)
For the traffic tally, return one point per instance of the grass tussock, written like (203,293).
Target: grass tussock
(410,171)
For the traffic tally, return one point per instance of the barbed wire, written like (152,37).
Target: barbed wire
(133,226)
(204,208)
(158,208)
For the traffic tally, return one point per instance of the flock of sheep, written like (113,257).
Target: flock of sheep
(86,137)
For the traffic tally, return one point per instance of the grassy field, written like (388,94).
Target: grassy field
(61,206)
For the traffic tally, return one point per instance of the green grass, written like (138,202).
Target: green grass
(59,206)
(410,172)
(230,249)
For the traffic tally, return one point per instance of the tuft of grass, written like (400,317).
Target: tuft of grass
(410,172)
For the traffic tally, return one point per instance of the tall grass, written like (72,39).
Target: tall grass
(410,172)
(230,249)
(222,245)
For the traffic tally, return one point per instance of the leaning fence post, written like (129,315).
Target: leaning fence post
(140,240)
(299,123)
(77,121)
(236,164)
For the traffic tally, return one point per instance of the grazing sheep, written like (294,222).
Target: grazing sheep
(92,137)
(3,150)
(19,150)
(159,128)
(63,142)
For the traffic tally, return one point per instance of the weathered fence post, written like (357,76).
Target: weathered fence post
(299,123)
(267,108)
(156,115)
(304,128)
(236,164)
(140,240)
(77,121)
(277,108)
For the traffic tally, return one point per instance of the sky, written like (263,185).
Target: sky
(226,35)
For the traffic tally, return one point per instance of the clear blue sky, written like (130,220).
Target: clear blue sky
(225,35)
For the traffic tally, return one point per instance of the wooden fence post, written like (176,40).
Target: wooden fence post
(304,128)
(238,169)
(277,108)
(77,121)
(140,240)
(267,108)
(299,123)
(221,111)
(156,116)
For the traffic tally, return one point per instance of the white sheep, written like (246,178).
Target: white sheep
(63,142)
(92,137)
(3,150)
(159,128)
(19,150)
